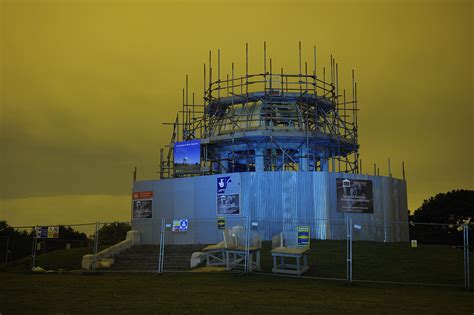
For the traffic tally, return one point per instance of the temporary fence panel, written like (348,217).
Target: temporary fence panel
(302,247)
(113,252)
(16,248)
(62,247)
(468,255)
(433,254)
(217,244)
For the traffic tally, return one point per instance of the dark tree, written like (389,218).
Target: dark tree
(14,243)
(113,233)
(451,209)
(67,235)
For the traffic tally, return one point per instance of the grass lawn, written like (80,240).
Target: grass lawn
(375,261)
(218,292)
(428,264)
(61,259)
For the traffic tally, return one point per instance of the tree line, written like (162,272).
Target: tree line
(16,243)
(439,220)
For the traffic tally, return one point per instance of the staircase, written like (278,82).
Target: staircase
(145,258)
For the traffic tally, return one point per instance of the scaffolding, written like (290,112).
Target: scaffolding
(269,121)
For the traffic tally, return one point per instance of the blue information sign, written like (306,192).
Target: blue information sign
(180,225)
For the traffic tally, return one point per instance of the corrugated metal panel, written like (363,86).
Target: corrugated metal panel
(279,202)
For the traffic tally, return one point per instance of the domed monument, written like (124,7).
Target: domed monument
(274,147)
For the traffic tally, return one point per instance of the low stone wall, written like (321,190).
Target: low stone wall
(104,257)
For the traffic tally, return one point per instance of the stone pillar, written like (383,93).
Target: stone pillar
(224,162)
(324,162)
(259,160)
(304,165)
(279,163)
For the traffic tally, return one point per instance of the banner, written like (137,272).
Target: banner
(142,205)
(187,157)
(228,194)
(354,195)
(228,204)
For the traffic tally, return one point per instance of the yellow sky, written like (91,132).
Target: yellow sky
(86,85)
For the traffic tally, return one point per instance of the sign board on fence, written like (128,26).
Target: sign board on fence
(221,223)
(180,225)
(414,244)
(47,232)
(53,231)
(41,232)
(303,235)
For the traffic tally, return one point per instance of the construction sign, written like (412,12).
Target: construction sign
(303,235)
(47,232)
(221,223)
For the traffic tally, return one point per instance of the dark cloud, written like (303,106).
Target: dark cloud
(86,86)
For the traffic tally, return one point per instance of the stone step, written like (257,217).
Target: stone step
(145,257)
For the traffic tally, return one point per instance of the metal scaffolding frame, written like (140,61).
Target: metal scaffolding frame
(269,121)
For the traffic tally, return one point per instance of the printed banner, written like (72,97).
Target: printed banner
(228,204)
(354,195)
(187,157)
(228,194)
(143,209)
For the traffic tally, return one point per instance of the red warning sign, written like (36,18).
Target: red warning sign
(143,195)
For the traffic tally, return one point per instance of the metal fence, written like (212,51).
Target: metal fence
(15,246)
(349,250)
(186,244)
(61,247)
(409,253)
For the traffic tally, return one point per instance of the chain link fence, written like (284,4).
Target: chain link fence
(16,247)
(433,254)
(345,249)
(222,244)
(61,247)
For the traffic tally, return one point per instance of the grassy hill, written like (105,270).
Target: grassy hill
(373,261)
(68,259)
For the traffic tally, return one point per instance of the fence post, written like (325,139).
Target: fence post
(162,246)
(349,250)
(247,247)
(466,257)
(33,252)
(96,246)
(6,251)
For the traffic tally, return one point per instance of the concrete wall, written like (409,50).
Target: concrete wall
(277,201)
